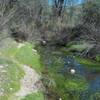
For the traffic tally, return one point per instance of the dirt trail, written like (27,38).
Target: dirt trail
(30,83)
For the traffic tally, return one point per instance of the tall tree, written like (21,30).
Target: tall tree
(59,6)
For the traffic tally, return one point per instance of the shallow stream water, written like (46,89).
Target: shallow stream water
(67,66)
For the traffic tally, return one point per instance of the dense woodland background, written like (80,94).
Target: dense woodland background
(58,23)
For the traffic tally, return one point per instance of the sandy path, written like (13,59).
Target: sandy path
(29,82)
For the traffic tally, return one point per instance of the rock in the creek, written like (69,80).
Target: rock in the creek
(72,71)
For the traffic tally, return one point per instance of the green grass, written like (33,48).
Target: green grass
(34,96)
(98,58)
(12,58)
(61,86)
(24,55)
(77,83)
(10,74)
(89,63)
(80,46)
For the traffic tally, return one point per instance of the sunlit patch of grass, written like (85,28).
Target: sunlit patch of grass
(34,96)
(25,55)
(29,57)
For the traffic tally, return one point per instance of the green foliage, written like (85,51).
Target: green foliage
(79,46)
(59,85)
(63,87)
(77,84)
(25,55)
(95,96)
(98,58)
(34,96)
(89,63)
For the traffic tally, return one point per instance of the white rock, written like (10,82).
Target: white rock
(60,99)
(34,50)
(44,42)
(72,71)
